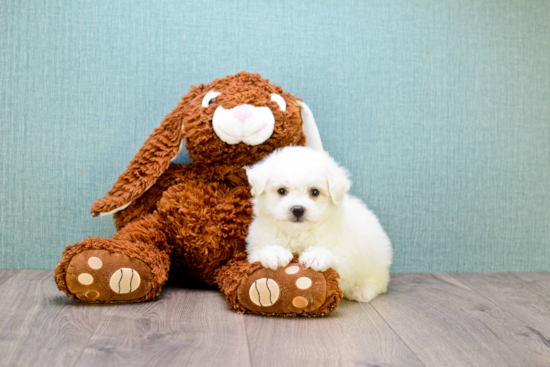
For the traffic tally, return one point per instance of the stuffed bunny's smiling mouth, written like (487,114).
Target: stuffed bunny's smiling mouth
(243,137)
(245,123)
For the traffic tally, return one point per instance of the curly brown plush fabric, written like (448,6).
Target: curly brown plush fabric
(191,218)
(191,120)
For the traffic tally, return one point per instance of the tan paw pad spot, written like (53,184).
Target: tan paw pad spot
(92,294)
(264,292)
(85,279)
(303,283)
(300,302)
(293,269)
(125,280)
(95,262)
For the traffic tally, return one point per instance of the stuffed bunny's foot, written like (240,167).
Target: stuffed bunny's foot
(292,290)
(99,275)
(89,273)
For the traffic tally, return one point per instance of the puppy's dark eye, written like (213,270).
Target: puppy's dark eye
(211,101)
(282,191)
(314,192)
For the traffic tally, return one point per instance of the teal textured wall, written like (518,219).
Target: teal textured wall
(441,110)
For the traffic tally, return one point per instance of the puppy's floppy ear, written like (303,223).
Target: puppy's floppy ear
(338,182)
(162,146)
(258,175)
(313,139)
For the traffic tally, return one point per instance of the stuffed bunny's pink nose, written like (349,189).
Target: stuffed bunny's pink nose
(243,112)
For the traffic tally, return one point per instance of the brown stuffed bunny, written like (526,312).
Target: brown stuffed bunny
(194,218)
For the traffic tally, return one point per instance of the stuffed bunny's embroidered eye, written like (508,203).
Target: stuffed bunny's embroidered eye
(280,101)
(209,98)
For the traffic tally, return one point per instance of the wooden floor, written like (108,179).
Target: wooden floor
(424,320)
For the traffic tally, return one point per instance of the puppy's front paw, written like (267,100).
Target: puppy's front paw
(272,257)
(317,258)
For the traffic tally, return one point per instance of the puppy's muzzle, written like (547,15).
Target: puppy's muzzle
(298,211)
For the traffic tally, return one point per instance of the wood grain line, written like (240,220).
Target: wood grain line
(538,282)
(183,327)
(396,332)
(40,326)
(6,274)
(353,335)
(445,323)
(512,294)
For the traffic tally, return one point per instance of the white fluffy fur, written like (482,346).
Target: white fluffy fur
(337,230)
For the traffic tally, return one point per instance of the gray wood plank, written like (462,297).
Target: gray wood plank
(537,282)
(40,326)
(5,274)
(446,323)
(183,327)
(353,335)
(511,293)
(433,320)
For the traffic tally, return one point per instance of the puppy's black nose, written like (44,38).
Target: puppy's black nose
(298,211)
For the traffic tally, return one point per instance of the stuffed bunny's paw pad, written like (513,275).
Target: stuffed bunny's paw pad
(287,290)
(103,276)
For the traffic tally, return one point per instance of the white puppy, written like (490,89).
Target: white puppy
(301,206)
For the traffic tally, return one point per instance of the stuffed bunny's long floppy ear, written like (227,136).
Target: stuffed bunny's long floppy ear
(150,162)
(313,138)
